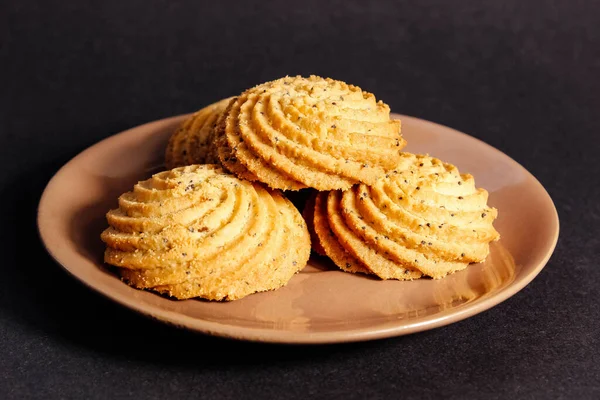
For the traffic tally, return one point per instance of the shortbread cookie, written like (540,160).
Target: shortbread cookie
(299,132)
(425,219)
(197,231)
(192,142)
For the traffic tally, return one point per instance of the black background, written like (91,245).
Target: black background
(522,75)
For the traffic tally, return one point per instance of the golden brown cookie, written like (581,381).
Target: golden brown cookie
(423,219)
(299,132)
(192,142)
(197,231)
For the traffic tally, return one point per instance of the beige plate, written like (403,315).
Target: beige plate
(319,305)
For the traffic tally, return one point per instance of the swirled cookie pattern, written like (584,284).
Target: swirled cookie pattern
(198,231)
(424,219)
(192,142)
(298,132)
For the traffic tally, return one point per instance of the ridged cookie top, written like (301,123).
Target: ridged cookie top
(426,217)
(299,132)
(198,231)
(192,142)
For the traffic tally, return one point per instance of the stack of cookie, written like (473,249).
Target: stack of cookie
(197,231)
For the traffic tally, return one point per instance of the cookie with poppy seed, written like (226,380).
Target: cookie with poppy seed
(298,132)
(425,218)
(198,231)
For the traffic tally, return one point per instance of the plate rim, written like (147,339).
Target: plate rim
(257,334)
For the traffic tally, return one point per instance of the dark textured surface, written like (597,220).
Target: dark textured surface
(522,75)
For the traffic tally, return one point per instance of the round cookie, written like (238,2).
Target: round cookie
(425,218)
(197,231)
(297,132)
(192,142)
